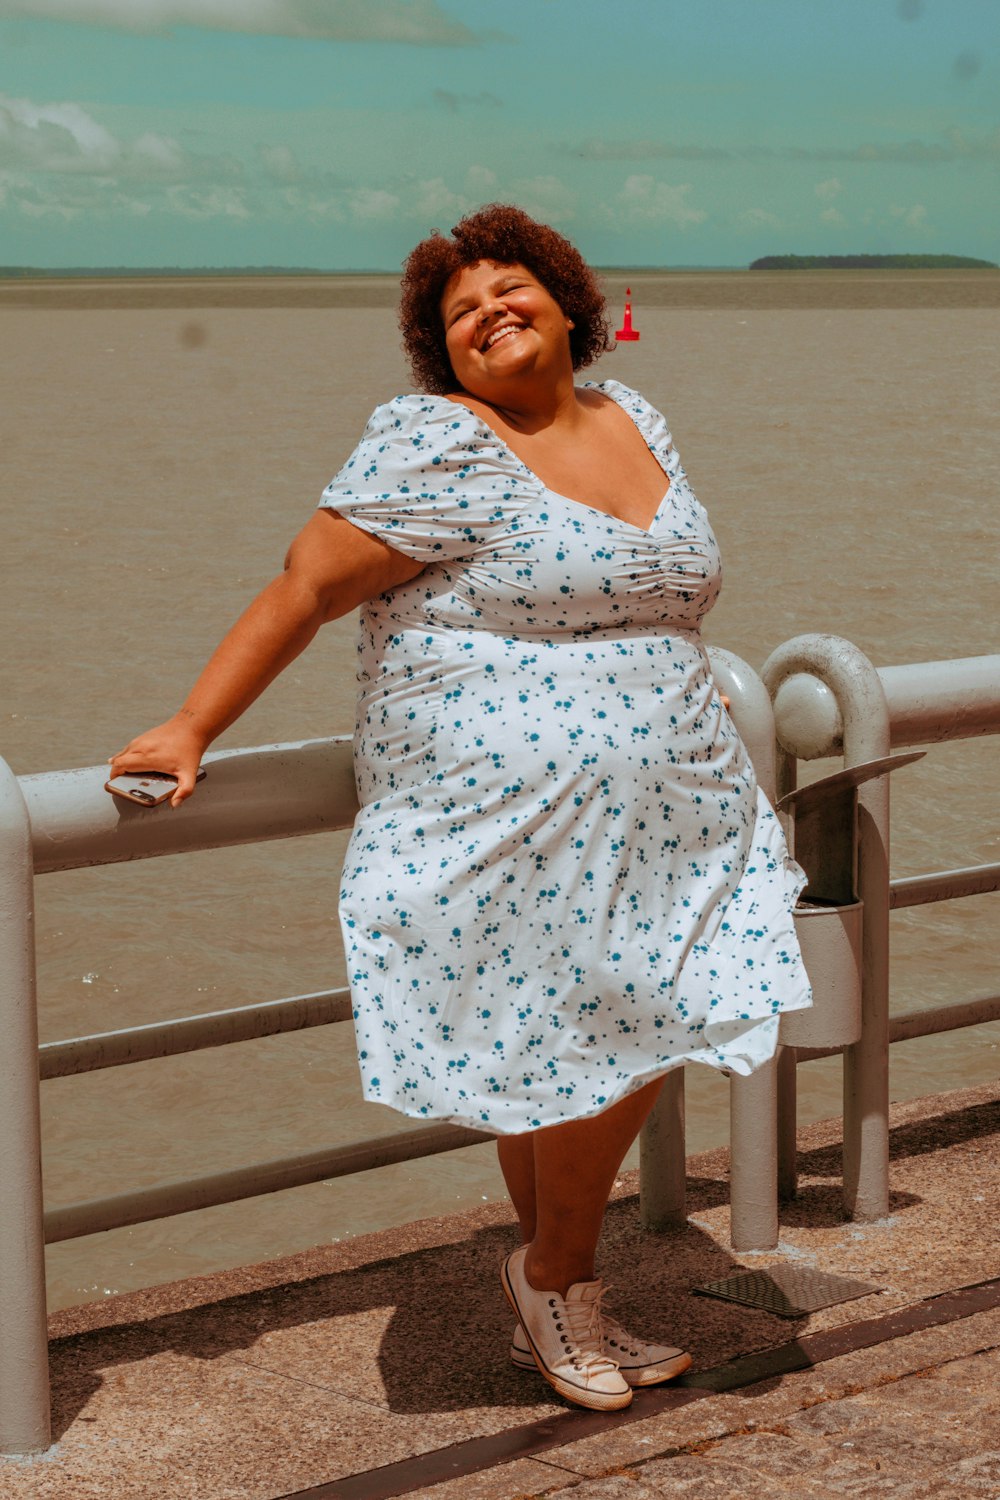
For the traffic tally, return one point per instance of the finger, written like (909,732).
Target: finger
(123,762)
(129,752)
(139,756)
(185,786)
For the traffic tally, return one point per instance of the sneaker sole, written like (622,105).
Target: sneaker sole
(594,1400)
(636,1378)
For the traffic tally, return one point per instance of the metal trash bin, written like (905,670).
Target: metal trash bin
(829,918)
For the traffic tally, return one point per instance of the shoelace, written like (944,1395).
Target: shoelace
(583,1324)
(613,1332)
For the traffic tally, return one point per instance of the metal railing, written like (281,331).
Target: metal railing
(827,697)
(820,696)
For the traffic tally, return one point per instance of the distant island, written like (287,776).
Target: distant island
(870,263)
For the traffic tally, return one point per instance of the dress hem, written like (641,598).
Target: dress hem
(722,1064)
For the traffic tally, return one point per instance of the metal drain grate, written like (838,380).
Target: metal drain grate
(788,1291)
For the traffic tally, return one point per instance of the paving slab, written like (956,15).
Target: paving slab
(333,1371)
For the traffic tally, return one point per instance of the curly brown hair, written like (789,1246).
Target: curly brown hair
(508,236)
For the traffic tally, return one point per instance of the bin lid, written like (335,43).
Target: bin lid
(805,798)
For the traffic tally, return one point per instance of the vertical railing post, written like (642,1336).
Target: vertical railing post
(866,1064)
(753,1159)
(24,1371)
(753,1101)
(860,697)
(788,1112)
(785,778)
(662,1158)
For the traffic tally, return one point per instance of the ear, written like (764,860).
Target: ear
(570,323)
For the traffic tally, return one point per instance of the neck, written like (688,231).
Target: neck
(530,406)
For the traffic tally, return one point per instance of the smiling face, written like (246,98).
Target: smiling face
(500,324)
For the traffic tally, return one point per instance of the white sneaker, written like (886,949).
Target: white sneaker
(640,1363)
(562,1338)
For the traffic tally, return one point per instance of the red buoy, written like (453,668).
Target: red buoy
(626,334)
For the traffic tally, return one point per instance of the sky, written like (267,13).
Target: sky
(335,133)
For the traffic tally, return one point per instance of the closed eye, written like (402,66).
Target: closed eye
(464,309)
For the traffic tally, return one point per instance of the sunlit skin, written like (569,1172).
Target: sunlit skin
(330,569)
(582,445)
(578,441)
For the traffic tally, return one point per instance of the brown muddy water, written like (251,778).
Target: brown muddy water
(162,444)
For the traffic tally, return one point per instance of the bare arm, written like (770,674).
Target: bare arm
(331,568)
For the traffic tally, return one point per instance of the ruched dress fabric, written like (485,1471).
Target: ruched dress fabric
(563,879)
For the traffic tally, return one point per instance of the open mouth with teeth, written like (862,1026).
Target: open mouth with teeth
(499,334)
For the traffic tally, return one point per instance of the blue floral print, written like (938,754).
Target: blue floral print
(563,879)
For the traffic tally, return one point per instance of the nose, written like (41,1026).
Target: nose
(489,308)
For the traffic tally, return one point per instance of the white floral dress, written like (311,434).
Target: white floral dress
(563,880)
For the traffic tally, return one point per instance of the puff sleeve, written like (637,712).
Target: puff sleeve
(423,480)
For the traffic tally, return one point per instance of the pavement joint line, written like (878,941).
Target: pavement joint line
(472,1456)
(313,1385)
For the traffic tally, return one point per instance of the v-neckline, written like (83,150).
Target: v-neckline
(595,510)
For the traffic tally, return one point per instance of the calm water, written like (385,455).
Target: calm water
(163,445)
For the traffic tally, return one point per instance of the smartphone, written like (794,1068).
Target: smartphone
(148,788)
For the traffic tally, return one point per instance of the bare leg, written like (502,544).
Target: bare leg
(517,1163)
(559,1180)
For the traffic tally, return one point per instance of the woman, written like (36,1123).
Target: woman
(562,880)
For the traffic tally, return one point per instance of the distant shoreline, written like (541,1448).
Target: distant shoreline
(714,290)
(871,263)
(280,273)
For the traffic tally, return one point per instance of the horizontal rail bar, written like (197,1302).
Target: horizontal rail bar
(916,1023)
(218,1028)
(169,1198)
(928,702)
(943,885)
(248,796)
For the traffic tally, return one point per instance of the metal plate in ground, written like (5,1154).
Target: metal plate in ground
(789,1291)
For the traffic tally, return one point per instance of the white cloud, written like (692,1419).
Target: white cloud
(420,23)
(646,149)
(953,146)
(210,203)
(311,205)
(436,201)
(136,207)
(832,216)
(758,218)
(63,139)
(36,201)
(54,138)
(480,182)
(57,160)
(371,205)
(280,163)
(829,189)
(914,217)
(546,198)
(159,153)
(645,200)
